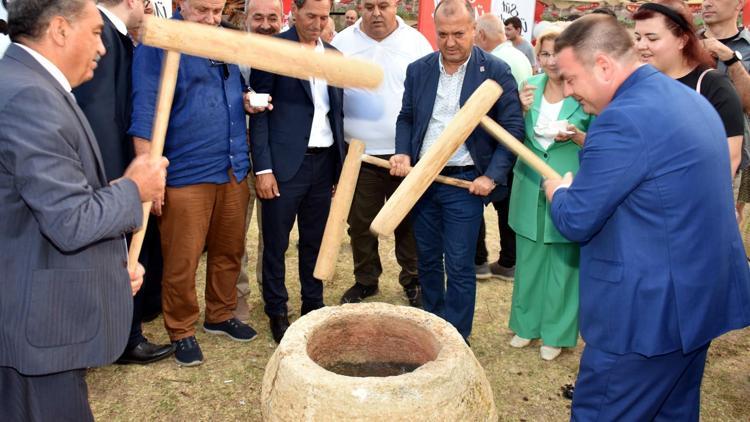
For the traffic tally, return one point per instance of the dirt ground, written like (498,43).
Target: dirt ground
(227,386)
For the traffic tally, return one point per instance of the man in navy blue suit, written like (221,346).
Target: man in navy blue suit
(297,152)
(663,269)
(106,102)
(447,219)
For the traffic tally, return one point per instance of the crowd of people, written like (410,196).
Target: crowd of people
(637,244)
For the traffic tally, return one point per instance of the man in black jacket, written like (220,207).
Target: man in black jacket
(106,102)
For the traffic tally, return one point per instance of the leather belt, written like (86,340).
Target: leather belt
(450,170)
(316,150)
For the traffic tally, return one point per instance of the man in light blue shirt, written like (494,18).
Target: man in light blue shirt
(490,37)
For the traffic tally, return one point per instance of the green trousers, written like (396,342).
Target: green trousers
(545,291)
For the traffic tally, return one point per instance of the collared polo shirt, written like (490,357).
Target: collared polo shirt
(370,115)
(519,64)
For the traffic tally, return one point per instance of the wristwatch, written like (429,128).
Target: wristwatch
(736,56)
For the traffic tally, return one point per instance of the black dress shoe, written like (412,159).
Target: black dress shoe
(146,352)
(279,324)
(357,292)
(309,307)
(413,292)
(151,315)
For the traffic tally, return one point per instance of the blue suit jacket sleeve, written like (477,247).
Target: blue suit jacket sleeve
(507,112)
(262,82)
(49,176)
(613,163)
(147,63)
(405,120)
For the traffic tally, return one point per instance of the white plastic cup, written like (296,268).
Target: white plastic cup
(258,100)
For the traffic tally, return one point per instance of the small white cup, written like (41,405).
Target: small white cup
(258,100)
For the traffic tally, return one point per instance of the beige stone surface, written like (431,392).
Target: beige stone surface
(450,385)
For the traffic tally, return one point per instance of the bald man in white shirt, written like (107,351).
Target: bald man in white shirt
(384,38)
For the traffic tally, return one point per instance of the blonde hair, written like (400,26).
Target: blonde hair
(550,35)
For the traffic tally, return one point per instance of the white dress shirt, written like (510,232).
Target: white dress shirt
(321,135)
(370,115)
(117,22)
(446,106)
(49,67)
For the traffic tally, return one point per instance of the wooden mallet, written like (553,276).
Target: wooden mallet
(452,181)
(167,84)
(515,146)
(433,161)
(328,254)
(325,266)
(259,52)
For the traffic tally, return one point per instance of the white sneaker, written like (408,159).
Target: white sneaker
(519,342)
(549,352)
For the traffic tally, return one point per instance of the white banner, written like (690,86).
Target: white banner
(162,8)
(523,9)
(4,39)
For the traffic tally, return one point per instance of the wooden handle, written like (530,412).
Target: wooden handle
(328,255)
(518,148)
(259,52)
(427,169)
(167,84)
(459,183)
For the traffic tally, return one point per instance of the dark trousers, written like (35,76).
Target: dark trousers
(374,186)
(148,299)
(306,196)
(56,397)
(633,387)
(446,224)
(507,256)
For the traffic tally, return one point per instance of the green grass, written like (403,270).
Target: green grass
(227,386)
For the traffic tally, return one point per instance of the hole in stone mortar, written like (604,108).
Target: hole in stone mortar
(371,346)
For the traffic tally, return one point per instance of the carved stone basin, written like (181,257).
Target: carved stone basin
(374,362)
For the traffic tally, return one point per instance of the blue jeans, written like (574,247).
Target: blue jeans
(446,224)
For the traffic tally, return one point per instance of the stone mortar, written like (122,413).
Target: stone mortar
(450,385)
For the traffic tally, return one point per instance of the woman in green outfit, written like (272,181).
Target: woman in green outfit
(545,293)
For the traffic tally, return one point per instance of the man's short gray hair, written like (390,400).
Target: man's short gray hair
(30,18)
(249,3)
(491,25)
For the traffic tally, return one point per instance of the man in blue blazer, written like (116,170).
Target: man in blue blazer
(297,150)
(66,295)
(446,219)
(663,268)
